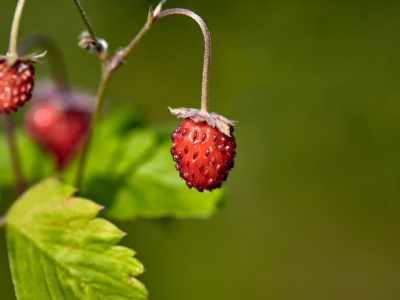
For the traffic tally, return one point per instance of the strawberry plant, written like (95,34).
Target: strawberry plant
(60,157)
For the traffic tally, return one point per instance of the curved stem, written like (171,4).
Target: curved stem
(207,46)
(207,49)
(57,66)
(105,79)
(12,51)
(9,131)
(85,19)
(108,67)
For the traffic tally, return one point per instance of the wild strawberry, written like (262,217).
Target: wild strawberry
(203,154)
(58,121)
(16,84)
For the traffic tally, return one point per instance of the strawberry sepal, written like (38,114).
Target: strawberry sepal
(214,120)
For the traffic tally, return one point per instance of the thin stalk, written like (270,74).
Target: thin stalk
(85,19)
(207,49)
(9,131)
(207,46)
(137,38)
(100,96)
(12,51)
(108,68)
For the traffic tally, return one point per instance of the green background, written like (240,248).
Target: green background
(313,206)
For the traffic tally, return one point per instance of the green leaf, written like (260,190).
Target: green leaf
(59,250)
(140,178)
(129,170)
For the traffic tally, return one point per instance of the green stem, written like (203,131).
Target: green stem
(138,37)
(12,51)
(108,68)
(9,131)
(104,82)
(100,96)
(85,19)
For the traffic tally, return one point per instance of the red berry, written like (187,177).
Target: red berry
(203,154)
(16,85)
(57,124)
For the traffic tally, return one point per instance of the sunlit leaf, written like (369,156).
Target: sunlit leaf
(58,249)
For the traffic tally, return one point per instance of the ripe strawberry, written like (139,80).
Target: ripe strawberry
(203,154)
(58,123)
(16,84)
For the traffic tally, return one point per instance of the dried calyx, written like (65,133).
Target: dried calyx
(212,119)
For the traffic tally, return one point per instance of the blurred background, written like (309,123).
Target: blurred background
(313,205)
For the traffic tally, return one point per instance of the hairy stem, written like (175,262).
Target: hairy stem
(12,51)
(138,37)
(207,49)
(9,131)
(207,46)
(85,19)
(100,96)
(108,68)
